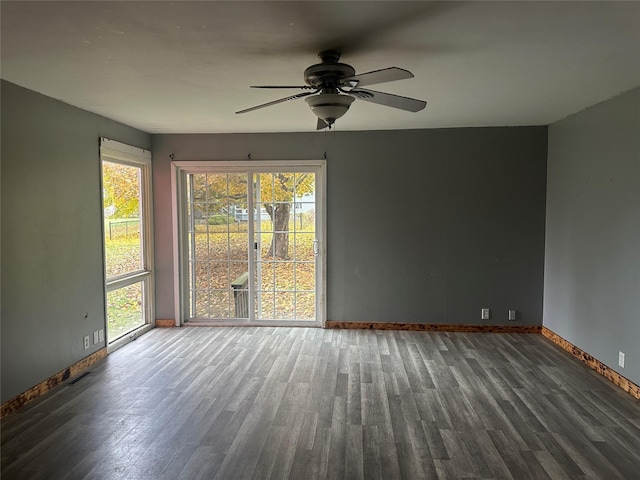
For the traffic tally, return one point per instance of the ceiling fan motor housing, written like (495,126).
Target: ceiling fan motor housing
(329,73)
(327,77)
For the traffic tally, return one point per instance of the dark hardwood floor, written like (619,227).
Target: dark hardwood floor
(250,402)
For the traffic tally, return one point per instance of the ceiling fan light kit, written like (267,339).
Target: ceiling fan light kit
(328,107)
(335,86)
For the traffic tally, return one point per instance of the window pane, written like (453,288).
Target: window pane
(124,310)
(220,304)
(305,305)
(123,239)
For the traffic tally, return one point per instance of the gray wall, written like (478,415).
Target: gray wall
(592,264)
(52,262)
(423,225)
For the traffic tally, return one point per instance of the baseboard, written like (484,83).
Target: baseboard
(607,372)
(434,327)
(51,382)
(165,323)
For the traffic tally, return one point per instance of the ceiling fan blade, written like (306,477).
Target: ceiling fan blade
(378,76)
(307,87)
(321,124)
(275,102)
(389,100)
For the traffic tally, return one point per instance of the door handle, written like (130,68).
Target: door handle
(316,248)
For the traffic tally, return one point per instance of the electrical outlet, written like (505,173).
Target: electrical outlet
(621,359)
(96,337)
(86,342)
(486,314)
(101,335)
(512,315)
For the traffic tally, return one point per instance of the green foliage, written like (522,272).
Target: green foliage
(219,220)
(124,312)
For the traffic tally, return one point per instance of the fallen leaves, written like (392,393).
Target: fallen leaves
(284,289)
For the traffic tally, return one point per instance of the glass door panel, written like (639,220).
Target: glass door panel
(285,236)
(218,240)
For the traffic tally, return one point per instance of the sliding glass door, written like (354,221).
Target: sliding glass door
(250,242)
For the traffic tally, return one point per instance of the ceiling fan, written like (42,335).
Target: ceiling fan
(334,86)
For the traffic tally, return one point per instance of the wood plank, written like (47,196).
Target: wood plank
(165,323)
(279,403)
(607,372)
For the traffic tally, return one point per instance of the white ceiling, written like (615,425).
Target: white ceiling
(182,66)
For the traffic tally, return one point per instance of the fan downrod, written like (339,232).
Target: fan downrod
(329,56)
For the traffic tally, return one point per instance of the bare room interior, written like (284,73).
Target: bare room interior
(368,239)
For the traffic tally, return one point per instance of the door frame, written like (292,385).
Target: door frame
(179,170)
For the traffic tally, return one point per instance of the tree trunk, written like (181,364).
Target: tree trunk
(280,219)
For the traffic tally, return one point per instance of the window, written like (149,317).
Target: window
(128,254)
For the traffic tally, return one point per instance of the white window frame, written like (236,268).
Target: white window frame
(116,152)
(179,170)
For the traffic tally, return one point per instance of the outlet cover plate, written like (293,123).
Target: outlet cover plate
(486,314)
(86,342)
(621,359)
